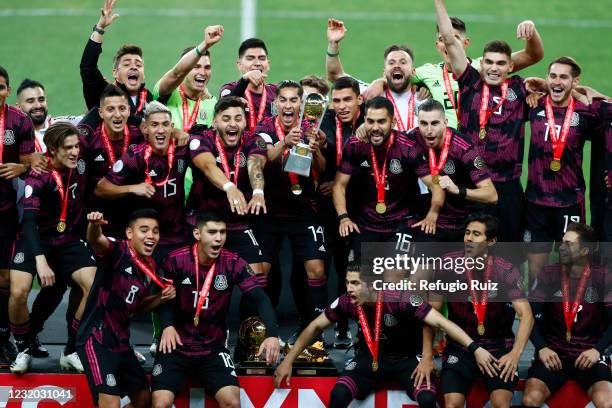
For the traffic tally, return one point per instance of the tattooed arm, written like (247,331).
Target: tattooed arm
(255,166)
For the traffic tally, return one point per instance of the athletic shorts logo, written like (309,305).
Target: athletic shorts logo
(322,248)
(479,163)
(250,270)
(157,370)
(194,144)
(19,258)
(81,166)
(110,380)
(118,166)
(416,300)
(390,320)
(335,303)
(527,236)
(180,166)
(220,282)
(449,167)
(452,359)
(9,137)
(28,191)
(575,120)
(351,366)
(590,295)
(395,166)
(511,97)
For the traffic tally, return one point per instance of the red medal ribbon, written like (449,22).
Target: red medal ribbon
(109,147)
(160,281)
(381,176)
(398,117)
(558,141)
(142,99)
(449,92)
(147,156)
(254,120)
(339,144)
(570,314)
(203,294)
(480,306)
(63,193)
(435,168)
(188,123)
(2,120)
(365,327)
(281,136)
(485,113)
(224,162)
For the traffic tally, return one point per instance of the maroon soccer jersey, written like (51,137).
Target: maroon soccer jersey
(168,199)
(41,197)
(403,158)
(499,314)
(18,140)
(590,321)
(204,195)
(280,200)
(211,332)
(117,293)
(270,96)
(504,146)
(565,187)
(401,326)
(466,167)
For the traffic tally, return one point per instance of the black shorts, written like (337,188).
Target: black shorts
(244,243)
(510,210)
(111,372)
(608,225)
(585,378)
(306,235)
(64,260)
(402,236)
(360,380)
(459,371)
(6,251)
(546,225)
(214,371)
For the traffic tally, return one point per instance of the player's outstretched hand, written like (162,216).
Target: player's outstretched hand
(508,365)
(347,226)
(96,218)
(428,224)
(271,347)
(283,371)
(257,204)
(212,35)
(485,362)
(106,14)
(587,359)
(422,372)
(550,359)
(236,200)
(335,30)
(169,340)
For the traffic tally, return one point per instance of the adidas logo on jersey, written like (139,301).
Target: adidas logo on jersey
(128,270)
(99,158)
(365,164)
(152,173)
(437,83)
(186,281)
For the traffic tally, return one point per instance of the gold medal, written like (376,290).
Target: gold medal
(61,227)
(568,336)
(436,179)
(296,189)
(375,365)
(196,320)
(481,329)
(555,165)
(381,208)
(483,133)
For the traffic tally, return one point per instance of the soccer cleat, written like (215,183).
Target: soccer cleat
(22,362)
(37,350)
(71,362)
(141,358)
(343,342)
(8,350)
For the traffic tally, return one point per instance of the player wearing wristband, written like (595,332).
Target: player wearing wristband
(573,308)
(123,287)
(194,325)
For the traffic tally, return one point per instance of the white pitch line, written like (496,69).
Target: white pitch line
(304,14)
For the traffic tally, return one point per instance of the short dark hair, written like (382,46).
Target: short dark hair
(316,82)
(380,102)
(498,46)
(186,50)
(398,47)
(585,232)
(346,82)
(431,105)
(113,90)
(29,83)
(126,49)
(353,266)
(227,102)
(491,223)
(143,213)
(289,83)
(565,60)
(207,216)
(251,43)
(57,133)
(457,24)
(5,75)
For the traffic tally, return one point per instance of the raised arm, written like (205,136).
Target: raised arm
(110,191)
(534,47)
(484,192)
(456,53)
(98,241)
(255,166)
(335,33)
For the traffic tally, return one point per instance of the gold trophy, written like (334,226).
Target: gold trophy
(313,361)
(251,334)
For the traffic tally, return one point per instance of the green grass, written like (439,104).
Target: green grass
(48,47)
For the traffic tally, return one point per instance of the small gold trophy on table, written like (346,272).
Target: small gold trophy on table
(251,334)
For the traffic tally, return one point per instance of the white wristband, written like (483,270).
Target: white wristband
(257,191)
(227,186)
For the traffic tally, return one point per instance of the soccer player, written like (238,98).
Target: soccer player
(16,148)
(228,164)
(123,287)
(555,193)
(488,322)
(194,325)
(128,66)
(314,83)
(383,351)
(455,164)
(50,245)
(493,112)
(253,64)
(184,89)
(571,334)
(606,115)
(385,169)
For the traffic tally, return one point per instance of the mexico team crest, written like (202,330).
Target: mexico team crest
(9,137)
(221,282)
(390,320)
(395,166)
(449,167)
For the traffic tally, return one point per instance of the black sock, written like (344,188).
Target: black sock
(426,399)
(5,324)
(21,332)
(340,396)
(317,295)
(44,305)
(72,332)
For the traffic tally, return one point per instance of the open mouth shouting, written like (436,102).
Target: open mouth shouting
(377,137)
(199,81)
(288,117)
(215,250)
(149,246)
(557,93)
(133,79)
(232,136)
